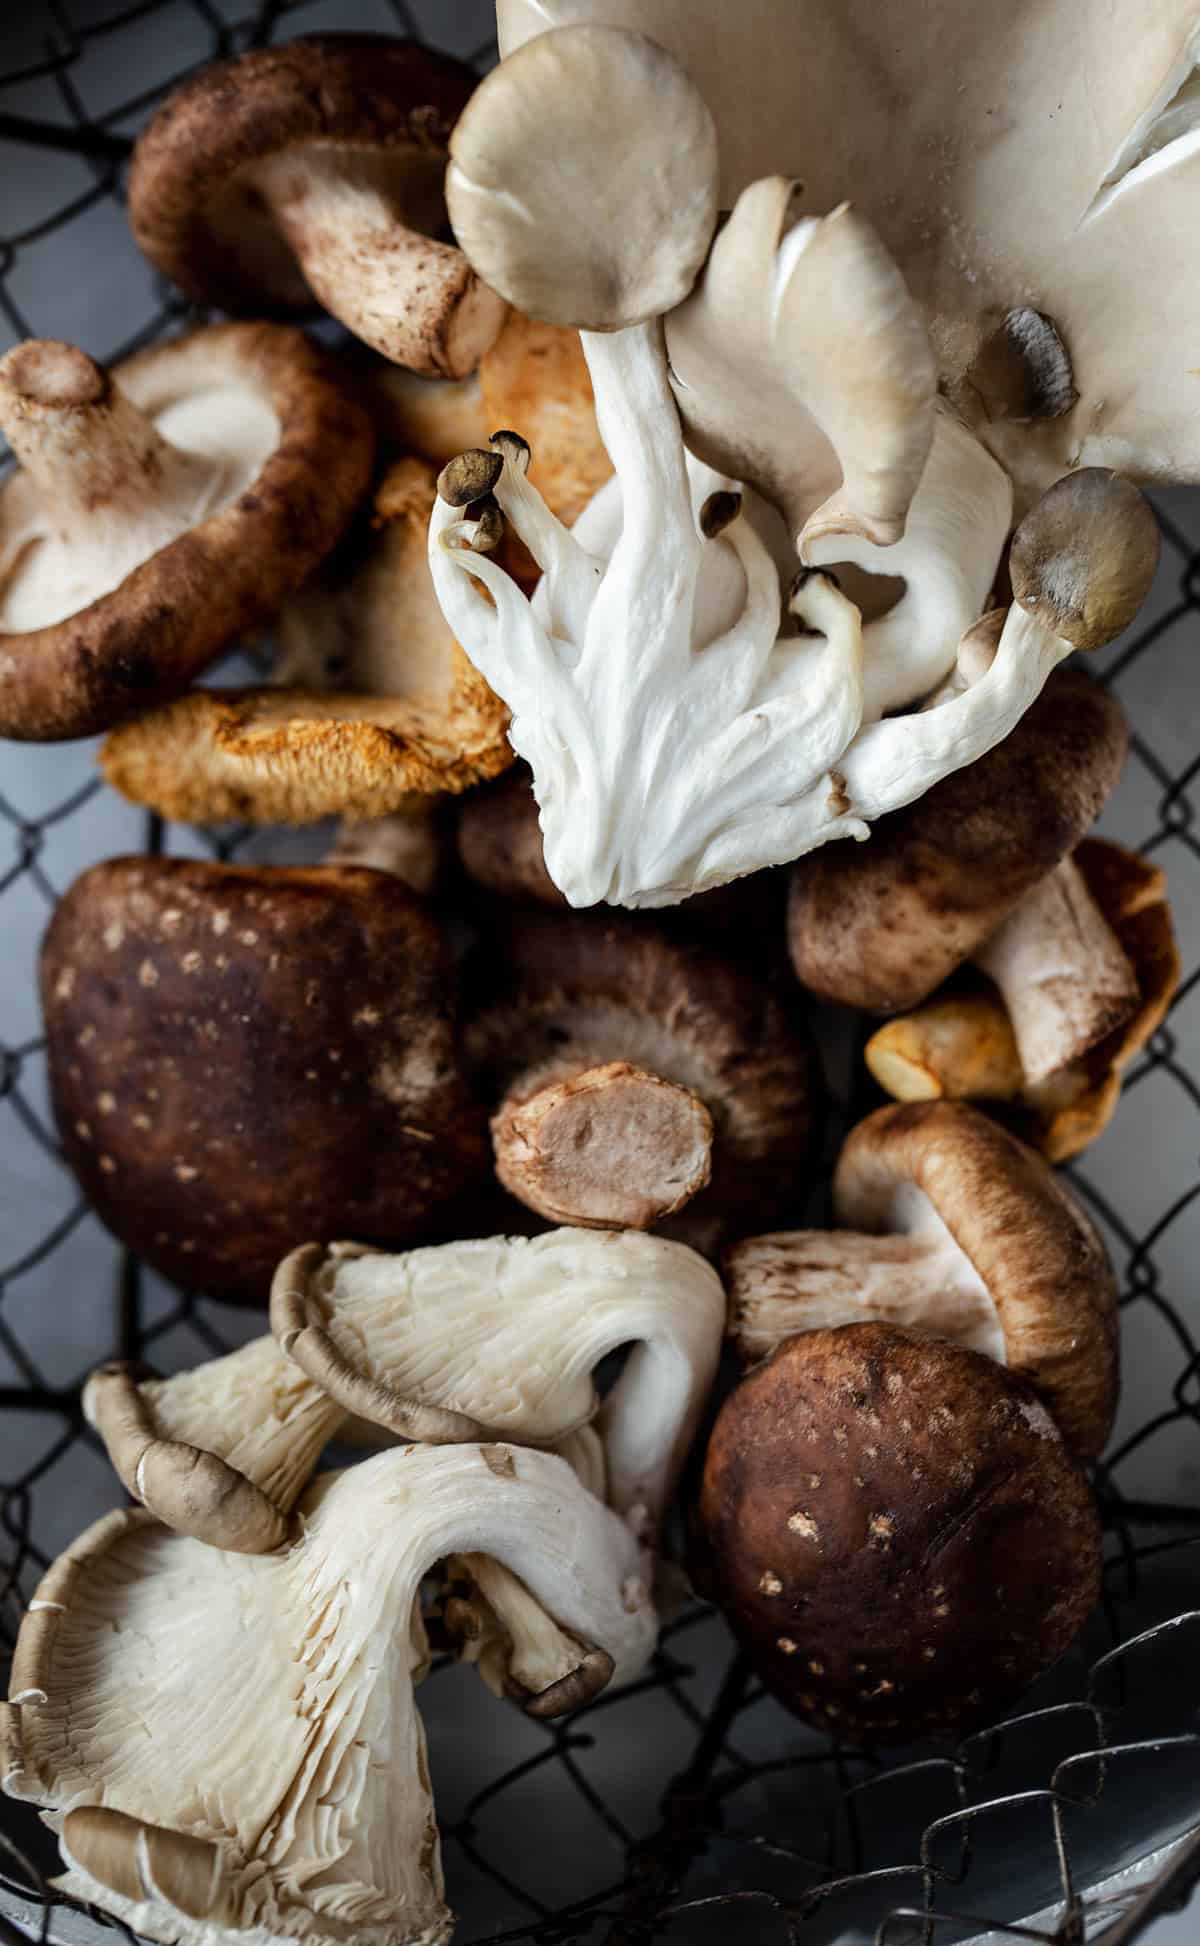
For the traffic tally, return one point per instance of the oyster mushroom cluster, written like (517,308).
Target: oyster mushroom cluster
(757,519)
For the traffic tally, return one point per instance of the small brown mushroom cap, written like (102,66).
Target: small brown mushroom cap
(612,987)
(960,1045)
(895,1531)
(881,924)
(1084,556)
(424,720)
(240,1057)
(1039,1255)
(167,620)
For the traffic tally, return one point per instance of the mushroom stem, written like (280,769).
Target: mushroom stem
(959,1048)
(407,843)
(526,1656)
(112,488)
(809,1280)
(607,1147)
(411,298)
(1062,971)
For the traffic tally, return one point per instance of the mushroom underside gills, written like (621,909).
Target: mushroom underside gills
(1063,974)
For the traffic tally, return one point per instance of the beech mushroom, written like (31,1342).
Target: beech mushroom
(374,699)
(535,376)
(880,926)
(895,1532)
(952,1226)
(1030,196)
(962,1043)
(228,1744)
(314,170)
(625,1063)
(435,1345)
(159,510)
(240,1056)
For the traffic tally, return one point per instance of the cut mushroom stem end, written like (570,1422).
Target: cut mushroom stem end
(608,1146)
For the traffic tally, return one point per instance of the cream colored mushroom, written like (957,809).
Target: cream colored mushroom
(228,1745)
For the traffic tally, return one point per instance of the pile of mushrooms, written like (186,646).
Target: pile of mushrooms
(758,522)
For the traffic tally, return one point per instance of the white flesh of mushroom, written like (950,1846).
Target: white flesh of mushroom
(173,1697)
(503,1334)
(811,1280)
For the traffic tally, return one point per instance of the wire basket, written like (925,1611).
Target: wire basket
(686,1807)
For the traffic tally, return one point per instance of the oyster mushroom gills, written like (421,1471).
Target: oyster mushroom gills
(159,510)
(636,1078)
(278,1782)
(952,1226)
(1041,200)
(799,365)
(373,702)
(313,171)
(961,1043)
(239,1056)
(895,1531)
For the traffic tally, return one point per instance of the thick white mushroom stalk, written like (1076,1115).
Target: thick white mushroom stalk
(228,1745)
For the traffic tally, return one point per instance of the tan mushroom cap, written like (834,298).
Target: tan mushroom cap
(895,1532)
(1027,1238)
(419,717)
(240,1056)
(960,1045)
(172,614)
(880,925)
(1083,558)
(525,162)
(314,170)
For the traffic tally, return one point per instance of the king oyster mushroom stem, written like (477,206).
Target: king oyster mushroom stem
(281,1791)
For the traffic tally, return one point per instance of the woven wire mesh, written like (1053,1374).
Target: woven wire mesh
(685,1805)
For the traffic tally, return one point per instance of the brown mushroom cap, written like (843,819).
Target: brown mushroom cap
(881,924)
(418,718)
(895,1532)
(242,1057)
(168,619)
(1039,1255)
(210,207)
(612,987)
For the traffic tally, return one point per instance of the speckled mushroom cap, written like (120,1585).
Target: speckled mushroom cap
(146,638)
(382,703)
(622,987)
(1039,1255)
(879,925)
(239,1058)
(895,1532)
(374,111)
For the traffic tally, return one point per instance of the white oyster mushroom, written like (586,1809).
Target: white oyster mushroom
(228,1744)
(502,1335)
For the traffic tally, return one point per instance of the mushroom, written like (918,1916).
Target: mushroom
(880,926)
(374,700)
(624,1062)
(228,1744)
(158,511)
(314,171)
(962,1043)
(1027,195)
(433,418)
(240,1056)
(895,1532)
(952,1226)
(535,376)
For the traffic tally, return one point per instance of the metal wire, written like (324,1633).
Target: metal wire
(762,1827)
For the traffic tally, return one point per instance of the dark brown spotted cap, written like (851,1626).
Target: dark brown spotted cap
(880,925)
(895,1532)
(243,1058)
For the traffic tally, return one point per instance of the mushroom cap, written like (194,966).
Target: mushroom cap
(618,987)
(371,97)
(420,717)
(241,1057)
(573,111)
(166,621)
(895,1531)
(880,925)
(1022,1231)
(1084,556)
